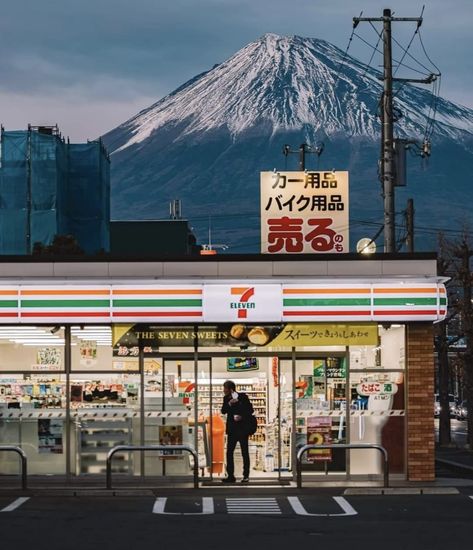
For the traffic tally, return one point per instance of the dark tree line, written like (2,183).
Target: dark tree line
(454,262)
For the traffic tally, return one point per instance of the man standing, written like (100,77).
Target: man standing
(239,411)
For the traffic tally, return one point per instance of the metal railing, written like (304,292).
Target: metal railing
(145,448)
(379,448)
(24,462)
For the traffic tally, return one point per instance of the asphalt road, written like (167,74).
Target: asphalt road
(266,520)
(458,431)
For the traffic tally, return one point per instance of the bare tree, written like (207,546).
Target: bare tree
(463,253)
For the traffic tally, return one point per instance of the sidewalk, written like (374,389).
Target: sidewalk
(455,458)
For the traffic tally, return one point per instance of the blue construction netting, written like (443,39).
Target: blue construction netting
(87,197)
(49,187)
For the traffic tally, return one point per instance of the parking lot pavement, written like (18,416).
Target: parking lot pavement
(277,521)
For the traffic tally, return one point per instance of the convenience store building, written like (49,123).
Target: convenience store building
(337,349)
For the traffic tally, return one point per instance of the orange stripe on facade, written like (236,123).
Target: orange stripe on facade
(405,290)
(65,292)
(8,292)
(326,291)
(156,292)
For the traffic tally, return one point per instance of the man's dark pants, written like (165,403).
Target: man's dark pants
(232,440)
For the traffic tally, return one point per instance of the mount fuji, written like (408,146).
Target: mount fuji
(206,142)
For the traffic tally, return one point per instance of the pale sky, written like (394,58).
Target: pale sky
(89,65)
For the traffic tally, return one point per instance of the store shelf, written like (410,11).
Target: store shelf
(104,435)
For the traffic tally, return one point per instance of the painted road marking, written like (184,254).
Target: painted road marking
(252,506)
(299,509)
(207,508)
(15,504)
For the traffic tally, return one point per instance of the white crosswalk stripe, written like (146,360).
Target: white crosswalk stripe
(252,506)
(15,504)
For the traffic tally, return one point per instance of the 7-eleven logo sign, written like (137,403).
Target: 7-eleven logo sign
(255,303)
(242,301)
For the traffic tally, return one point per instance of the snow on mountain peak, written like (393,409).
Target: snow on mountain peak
(289,83)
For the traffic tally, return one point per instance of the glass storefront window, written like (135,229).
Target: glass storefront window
(104,402)
(377,402)
(33,397)
(334,394)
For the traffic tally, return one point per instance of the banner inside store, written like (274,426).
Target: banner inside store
(127,338)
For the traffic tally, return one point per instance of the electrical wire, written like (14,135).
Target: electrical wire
(340,65)
(375,49)
(406,51)
(412,57)
(427,55)
(395,60)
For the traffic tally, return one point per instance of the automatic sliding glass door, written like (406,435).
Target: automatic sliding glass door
(175,415)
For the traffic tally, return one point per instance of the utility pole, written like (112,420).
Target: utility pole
(410,225)
(388,176)
(303,150)
(387,161)
(302,157)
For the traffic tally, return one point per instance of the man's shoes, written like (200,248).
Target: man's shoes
(228,480)
(245,480)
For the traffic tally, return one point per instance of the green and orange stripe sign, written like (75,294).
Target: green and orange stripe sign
(68,303)
(157,303)
(164,303)
(367,302)
(9,298)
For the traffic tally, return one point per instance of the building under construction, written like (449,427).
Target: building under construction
(48,187)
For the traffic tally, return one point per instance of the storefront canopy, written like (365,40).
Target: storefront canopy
(208,301)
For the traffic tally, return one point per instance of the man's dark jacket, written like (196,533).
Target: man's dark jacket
(244,408)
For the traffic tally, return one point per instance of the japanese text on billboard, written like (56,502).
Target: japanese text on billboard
(304,212)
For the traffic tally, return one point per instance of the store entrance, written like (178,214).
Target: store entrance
(183,397)
(297,399)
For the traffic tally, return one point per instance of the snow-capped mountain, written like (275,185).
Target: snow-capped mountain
(207,141)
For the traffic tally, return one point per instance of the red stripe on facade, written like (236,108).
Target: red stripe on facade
(11,314)
(324,313)
(66,314)
(407,312)
(157,314)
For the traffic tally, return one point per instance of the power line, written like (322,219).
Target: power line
(340,65)
(406,51)
(395,60)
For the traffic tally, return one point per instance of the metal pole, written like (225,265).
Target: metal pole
(294,410)
(24,462)
(379,448)
(196,404)
(388,139)
(302,157)
(410,225)
(141,366)
(68,427)
(211,420)
(279,421)
(144,448)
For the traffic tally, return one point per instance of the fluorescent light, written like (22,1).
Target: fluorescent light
(35,341)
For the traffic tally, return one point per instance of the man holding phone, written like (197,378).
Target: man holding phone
(239,410)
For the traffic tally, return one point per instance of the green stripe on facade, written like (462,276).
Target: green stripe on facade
(327,302)
(8,303)
(405,302)
(65,303)
(158,303)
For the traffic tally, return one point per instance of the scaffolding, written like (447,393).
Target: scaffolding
(51,187)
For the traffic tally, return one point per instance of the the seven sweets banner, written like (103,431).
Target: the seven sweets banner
(304,212)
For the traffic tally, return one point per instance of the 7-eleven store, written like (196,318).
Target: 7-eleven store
(333,349)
